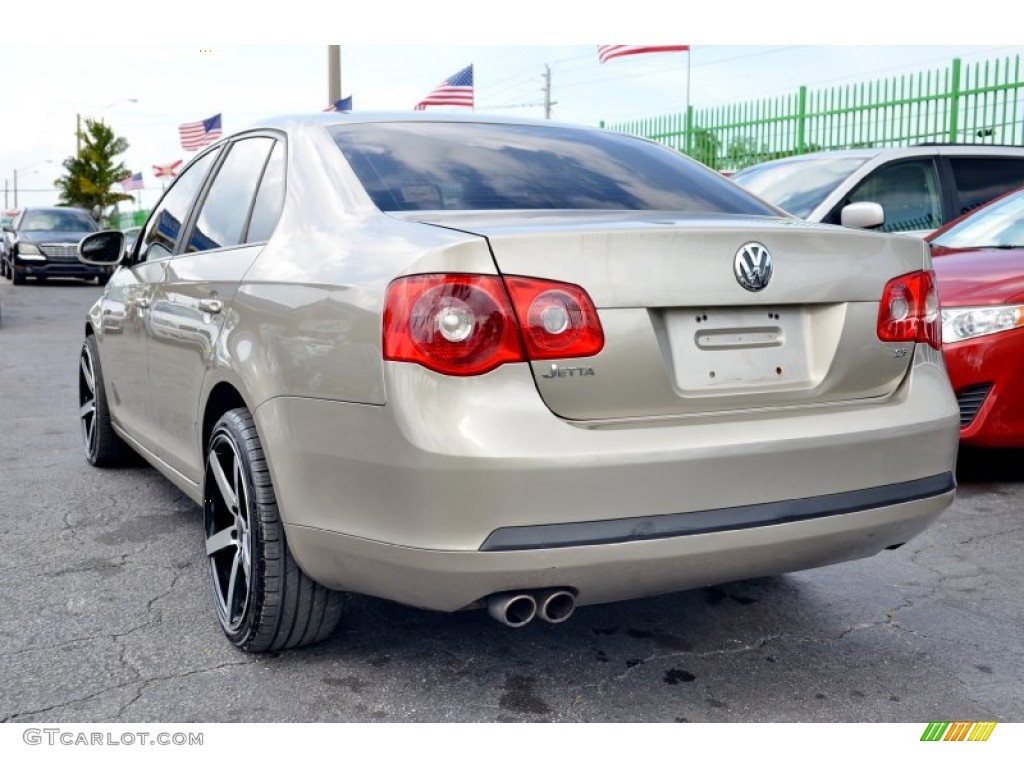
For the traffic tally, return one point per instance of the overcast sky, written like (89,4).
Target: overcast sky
(263,68)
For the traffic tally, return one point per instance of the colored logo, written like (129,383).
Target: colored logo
(958,731)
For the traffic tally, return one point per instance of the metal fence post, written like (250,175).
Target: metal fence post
(801,120)
(954,103)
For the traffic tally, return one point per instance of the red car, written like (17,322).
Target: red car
(979,264)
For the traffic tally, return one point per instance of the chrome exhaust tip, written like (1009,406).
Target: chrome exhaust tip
(555,605)
(513,609)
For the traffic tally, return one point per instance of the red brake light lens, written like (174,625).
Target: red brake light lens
(465,325)
(909,310)
(558,320)
(461,325)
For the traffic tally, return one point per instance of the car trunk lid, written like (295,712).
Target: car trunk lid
(682,335)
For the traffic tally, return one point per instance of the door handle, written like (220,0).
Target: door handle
(213,306)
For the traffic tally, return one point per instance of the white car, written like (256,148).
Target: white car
(907,190)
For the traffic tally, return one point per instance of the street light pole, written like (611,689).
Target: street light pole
(33,165)
(333,73)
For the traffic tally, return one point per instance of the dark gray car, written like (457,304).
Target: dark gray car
(43,243)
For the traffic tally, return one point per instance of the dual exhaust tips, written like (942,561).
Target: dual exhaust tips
(517,609)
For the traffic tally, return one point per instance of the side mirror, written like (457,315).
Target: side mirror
(101,249)
(862,216)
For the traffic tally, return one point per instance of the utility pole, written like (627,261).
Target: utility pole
(548,103)
(333,74)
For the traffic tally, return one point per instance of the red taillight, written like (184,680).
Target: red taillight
(558,320)
(464,325)
(909,310)
(456,324)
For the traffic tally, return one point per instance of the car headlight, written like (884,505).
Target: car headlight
(971,322)
(30,252)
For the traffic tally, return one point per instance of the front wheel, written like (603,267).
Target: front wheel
(263,600)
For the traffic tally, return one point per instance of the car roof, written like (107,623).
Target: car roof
(915,150)
(342,118)
(300,121)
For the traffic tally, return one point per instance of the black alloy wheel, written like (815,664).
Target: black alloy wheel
(103,447)
(263,600)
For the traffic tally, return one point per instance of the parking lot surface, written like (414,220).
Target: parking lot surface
(107,615)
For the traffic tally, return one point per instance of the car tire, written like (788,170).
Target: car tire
(263,600)
(17,276)
(103,447)
(102,279)
(3,268)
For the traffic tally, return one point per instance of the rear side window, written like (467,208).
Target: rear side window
(979,179)
(908,192)
(269,199)
(228,202)
(480,166)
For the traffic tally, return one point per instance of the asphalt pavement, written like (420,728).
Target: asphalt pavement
(106,614)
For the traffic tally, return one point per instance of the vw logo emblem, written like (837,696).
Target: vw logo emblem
(753,266)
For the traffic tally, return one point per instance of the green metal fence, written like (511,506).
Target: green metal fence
(977,103)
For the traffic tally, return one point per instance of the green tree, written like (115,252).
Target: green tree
(93,171)
(704,147)
(744,151)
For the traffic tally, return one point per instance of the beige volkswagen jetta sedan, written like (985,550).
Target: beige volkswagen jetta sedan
(468,363)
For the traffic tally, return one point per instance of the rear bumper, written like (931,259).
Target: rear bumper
(460,488)
(449,581)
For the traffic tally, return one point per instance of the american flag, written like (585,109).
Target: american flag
(171,169)
(341,105)
(196,135)
(606,52)
(129,183)
(456,91)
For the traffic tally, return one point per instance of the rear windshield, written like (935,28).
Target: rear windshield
(798,186)
(57,221)
(478,166)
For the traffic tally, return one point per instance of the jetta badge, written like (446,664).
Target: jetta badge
(753,266)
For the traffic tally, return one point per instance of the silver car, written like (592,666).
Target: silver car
(483,363)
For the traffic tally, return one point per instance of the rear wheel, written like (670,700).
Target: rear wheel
(103,448)
(263,600)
